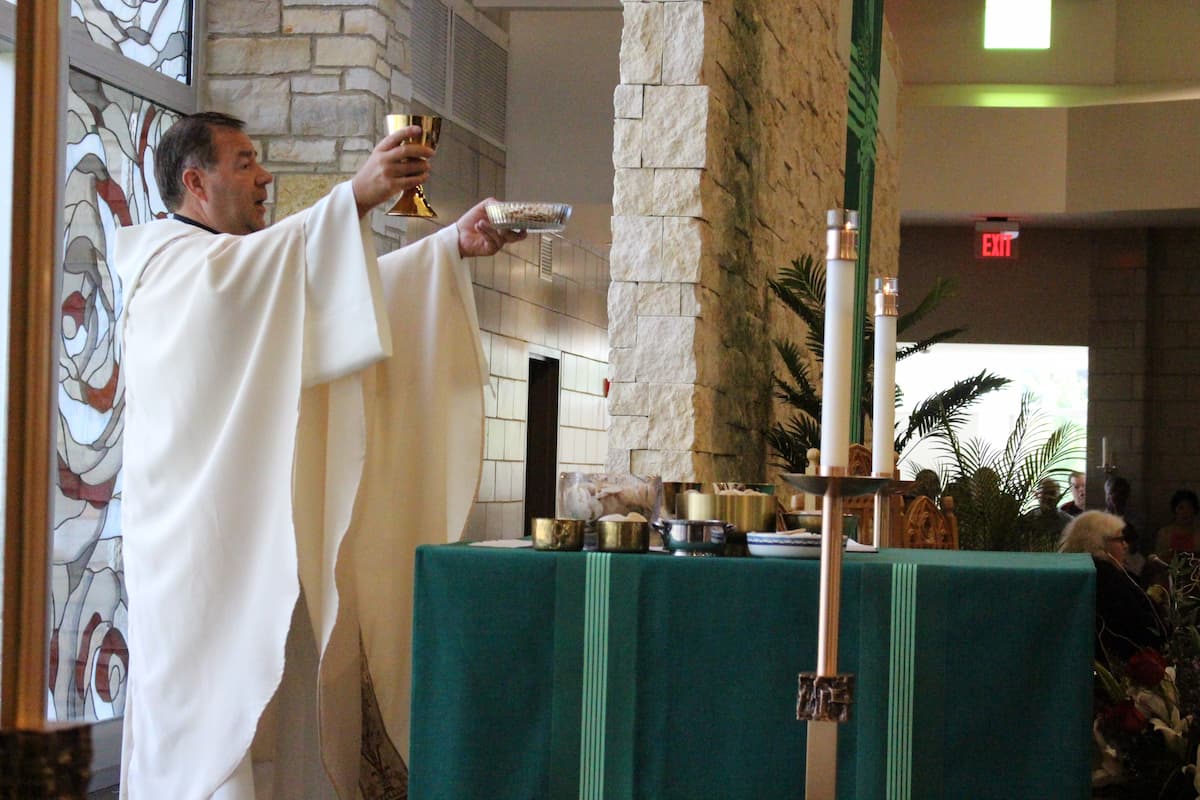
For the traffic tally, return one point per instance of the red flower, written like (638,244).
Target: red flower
(1146,667)
(1125,716)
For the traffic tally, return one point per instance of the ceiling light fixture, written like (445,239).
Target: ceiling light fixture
(1016,25)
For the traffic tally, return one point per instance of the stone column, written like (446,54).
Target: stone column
(729,145)
(313,84)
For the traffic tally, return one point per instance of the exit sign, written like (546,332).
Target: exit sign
(996,240)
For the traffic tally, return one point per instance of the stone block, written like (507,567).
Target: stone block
(633,192)
(642,43)
(398,53)
(401,86)
(627,432)
(366,21)
(672,419)
(677,192)
(629,398)
(334,115)
(262,56)
(694,300)
(645,462)
(621,364)
(346,51)
(637,249)
(316,84)
(675,126)
(308,20)
(627,101)
(660,299)
(301,151)
(683,48)
(684,243)
(363,79)
(679,465)
(296,192)
(618,459)
(261,102)
(242,16)
(627,143)
(666,351)
(622,314)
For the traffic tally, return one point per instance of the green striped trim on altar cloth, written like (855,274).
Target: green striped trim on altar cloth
(901,678)
(595,676)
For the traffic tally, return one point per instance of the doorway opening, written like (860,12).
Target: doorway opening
(541,440)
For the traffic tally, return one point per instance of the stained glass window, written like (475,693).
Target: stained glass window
(111,138)
(154,33)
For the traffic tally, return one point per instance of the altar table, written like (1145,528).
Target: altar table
(587,675)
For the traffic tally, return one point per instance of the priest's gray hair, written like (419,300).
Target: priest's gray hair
(1089,532)
(187,144)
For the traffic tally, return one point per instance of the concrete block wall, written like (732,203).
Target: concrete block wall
(1119,363)
(729,146)
(1144,366)
(1171,439)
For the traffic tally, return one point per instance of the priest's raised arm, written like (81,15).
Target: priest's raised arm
(289,398)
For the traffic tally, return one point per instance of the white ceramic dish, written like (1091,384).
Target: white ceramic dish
(789,544)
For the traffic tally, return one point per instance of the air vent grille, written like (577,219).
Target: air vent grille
(480,80)
(546,258)
(460,70)
(431,21)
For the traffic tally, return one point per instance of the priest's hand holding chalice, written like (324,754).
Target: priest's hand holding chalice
(427,129)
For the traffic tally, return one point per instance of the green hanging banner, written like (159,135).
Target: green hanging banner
(862,125)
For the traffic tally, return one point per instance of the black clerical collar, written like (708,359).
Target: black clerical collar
(181,218)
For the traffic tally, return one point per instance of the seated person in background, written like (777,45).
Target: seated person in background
(1180,536)
(1043,525)
(1126,620)
(1116,501)
(1078,485)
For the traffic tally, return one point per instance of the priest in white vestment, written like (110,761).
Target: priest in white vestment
(299,417)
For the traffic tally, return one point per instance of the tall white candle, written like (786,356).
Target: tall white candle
(841,254)
(883,416)
(1104,451)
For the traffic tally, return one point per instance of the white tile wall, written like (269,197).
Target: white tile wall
(567,319)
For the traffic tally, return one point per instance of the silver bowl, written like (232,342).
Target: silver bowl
(694,537)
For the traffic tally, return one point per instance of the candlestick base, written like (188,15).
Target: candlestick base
(824,698)
(1108,469)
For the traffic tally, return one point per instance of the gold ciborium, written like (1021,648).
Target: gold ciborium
(412,202)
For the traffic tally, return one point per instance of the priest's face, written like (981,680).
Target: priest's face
(236,187)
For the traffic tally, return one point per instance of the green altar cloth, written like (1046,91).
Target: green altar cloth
(564,675)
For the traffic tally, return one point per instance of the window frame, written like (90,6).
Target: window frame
(80,53)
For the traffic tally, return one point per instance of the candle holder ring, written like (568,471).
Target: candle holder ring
(847,485)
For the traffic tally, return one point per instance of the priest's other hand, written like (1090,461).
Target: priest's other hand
(479,237)
(393,166)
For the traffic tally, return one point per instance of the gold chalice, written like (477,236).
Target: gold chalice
(412,202)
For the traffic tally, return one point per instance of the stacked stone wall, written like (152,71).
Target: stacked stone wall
(313,82)
(729,145)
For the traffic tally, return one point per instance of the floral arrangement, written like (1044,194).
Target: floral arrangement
(1146,727)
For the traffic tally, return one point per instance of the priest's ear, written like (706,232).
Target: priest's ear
(195,183)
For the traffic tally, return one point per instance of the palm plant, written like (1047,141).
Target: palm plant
(801,288)
(992,486)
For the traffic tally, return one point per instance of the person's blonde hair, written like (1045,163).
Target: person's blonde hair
(1089,532)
